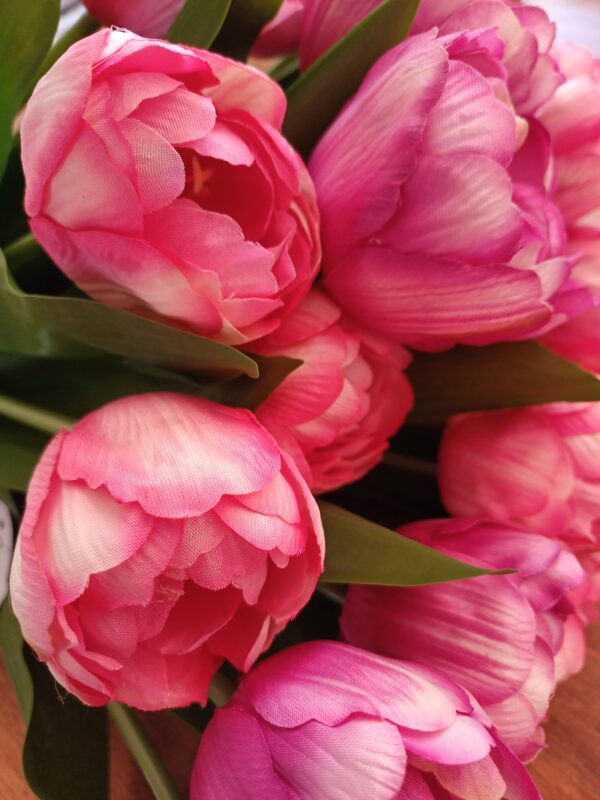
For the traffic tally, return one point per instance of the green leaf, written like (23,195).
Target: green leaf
(11,645)
(20,449)
(65,755)
(359,551)
(244,22)
(199,22)
(316,97)
(63,327)
(26,31)
(498,376)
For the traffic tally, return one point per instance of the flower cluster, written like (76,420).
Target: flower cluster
(453,200)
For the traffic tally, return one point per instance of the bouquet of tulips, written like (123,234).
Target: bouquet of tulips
(299,397)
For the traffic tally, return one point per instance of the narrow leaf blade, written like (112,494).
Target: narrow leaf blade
(199,22)
(504,375)
(39,325)
(244,22)
(26,33)
(316,97)
(359,551)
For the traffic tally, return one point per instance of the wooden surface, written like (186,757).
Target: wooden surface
(568,770)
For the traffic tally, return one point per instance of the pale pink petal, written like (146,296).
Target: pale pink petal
(53,116)
(161,449)
(463,742)
(361,757)
(473,205)
(105,198)
(81,532)
(479,780)
(374,141)
(417,300)
(160,170)
(178,116)
(129,90)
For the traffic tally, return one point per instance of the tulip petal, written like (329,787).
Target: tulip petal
(328,763)
(232,746)
(161,449)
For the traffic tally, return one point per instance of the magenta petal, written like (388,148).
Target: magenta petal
(231,747)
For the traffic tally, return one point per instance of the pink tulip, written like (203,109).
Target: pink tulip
(497,636)
(311,27)
(336,412)
(437,227)
(538,466)
(158,182)
(162,535)
(525,36)
(326,720)
(145,17)
(572,118)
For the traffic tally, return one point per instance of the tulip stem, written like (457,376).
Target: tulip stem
(144,754)
(32,416)
(220,689)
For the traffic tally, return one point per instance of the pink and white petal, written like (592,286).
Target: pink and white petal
(30,593)
(179,116)
(212,241)
(233,562)
(224,144)
(295,686)
(133,582)
(82,531)
(431,303)
(374,141)
(463,742)
(129,90)
(519,785)
(234,761)
(53,115)
(263,532)
(159,167)
(487,126)
(90,191)
(243,86)
(161,450)
(358,759)
(278,498)
(480,633)
(479,780)
(129,273)
(473,217)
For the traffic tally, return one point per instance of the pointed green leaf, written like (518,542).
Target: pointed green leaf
(199,22)
(498,376)
(359,551)
(244,22)
(27,28)
(64,327)
(316,97)
(65,755)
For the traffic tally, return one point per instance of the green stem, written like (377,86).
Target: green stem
(145,755)
(220,689)
(84,26)
(33,417)
(22,250)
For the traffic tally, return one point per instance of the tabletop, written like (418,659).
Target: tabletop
(567,770)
